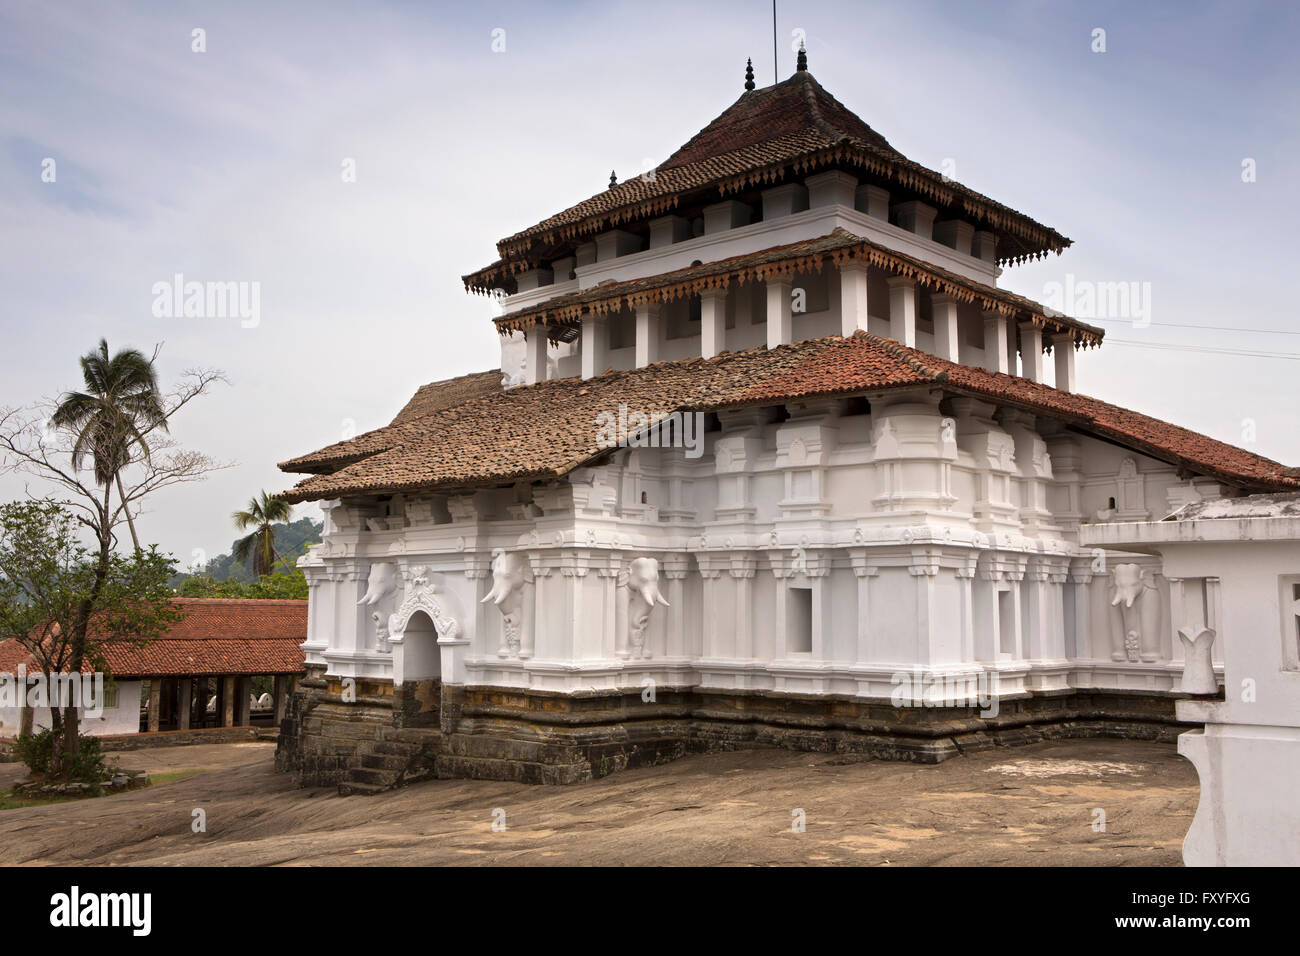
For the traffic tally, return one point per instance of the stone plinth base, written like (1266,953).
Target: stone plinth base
(390,736)
(1248,814)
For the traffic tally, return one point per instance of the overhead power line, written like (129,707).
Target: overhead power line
(1224,328)
(1174,347)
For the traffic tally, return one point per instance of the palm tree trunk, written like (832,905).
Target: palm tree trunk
(130,522)
(266,551)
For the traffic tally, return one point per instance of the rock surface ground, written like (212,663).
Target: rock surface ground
(1027,805)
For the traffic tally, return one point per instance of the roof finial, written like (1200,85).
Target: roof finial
(801,65)
(613,179)
(749,73)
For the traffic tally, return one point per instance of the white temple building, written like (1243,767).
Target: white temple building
(772,459)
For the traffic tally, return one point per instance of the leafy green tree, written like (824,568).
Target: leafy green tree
(261,514)
(65,605)
(285,585)
(291,542)
(123,432)
(120,406)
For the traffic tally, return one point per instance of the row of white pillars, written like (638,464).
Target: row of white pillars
(1000,343)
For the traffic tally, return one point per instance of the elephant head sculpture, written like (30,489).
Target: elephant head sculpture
(643,596)
(1135,620)
(510,572)
(381,583)
(1129,581)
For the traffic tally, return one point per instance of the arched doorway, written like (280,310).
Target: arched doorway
(421,657)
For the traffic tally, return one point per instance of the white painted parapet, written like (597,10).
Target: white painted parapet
(1244,555)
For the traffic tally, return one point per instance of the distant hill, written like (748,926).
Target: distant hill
(291,541)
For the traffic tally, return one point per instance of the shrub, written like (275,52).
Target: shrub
(88,765)
(36,750)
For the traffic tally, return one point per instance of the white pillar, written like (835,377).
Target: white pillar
(535,355)
(647,335)
(944,309)
(917,217)
(728,214)
(784,201)
(872,200)
(1063,351)
(1031,342)
(853,297)
(956,233)
(713,322)
(902,310)
(995,342)
(595,345)
(780,321)
(833,188)
(666,230)
(615,243)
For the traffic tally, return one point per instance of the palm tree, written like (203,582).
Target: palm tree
(120,406)
(261,514)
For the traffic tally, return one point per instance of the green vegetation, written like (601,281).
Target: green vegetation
(52,587)
(120,406)
(261,515)
(290,585)
(39,752)
(226,575)
(10,801)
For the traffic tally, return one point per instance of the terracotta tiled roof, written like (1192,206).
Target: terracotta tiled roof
(837,247)
(166,657)
(546,430)
(430,398)
(452,391)
(793,127)
(217,636)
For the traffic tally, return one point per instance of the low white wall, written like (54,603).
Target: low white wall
(122,718)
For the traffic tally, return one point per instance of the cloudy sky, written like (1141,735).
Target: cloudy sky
(227,165)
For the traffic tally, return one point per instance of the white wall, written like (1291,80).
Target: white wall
(909,521)
(122,718)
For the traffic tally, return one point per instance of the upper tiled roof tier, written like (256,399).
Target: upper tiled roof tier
(789,129)
(545,431)
(837,248)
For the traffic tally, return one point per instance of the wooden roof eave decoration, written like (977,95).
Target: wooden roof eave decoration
(618,297)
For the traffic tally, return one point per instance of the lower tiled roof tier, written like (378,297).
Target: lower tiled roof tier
(545,431)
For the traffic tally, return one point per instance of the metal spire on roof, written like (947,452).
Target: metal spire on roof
(749,73)
(613,179)
(801,65)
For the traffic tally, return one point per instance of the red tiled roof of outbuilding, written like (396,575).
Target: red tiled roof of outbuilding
(217,636)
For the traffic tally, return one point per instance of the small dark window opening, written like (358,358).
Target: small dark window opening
(799,613)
